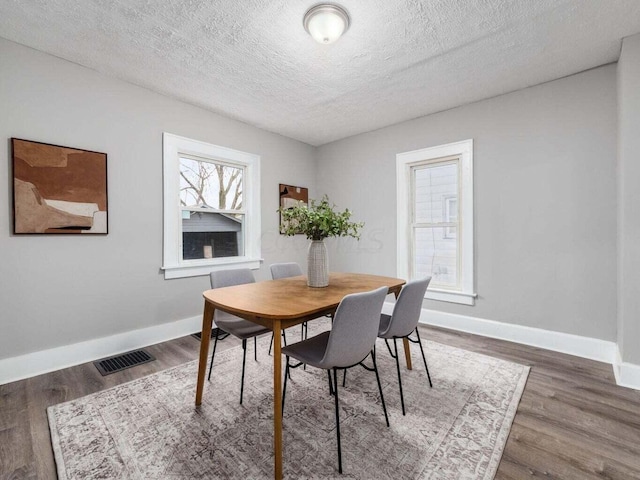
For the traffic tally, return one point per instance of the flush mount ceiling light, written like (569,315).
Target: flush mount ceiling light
(326,22)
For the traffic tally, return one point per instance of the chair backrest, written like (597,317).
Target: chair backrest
(406,312)
(285,270)
(228,278)
(355,328)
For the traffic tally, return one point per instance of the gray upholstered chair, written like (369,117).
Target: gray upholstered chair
(403,322)
(286,270)
(351,340)
(236,326)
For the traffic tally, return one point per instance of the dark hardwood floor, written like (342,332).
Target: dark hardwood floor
(573,422)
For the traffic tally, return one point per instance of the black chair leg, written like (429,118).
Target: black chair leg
(215,343)
(344,378)
(423,357)
(284,336)
(375,368)
(395,346)
(255,349)
(335,382)
(330,383)
(386,342)
(244,361)
(284,389)
(304,332)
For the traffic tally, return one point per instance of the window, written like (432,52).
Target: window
(450,214)
(435,220)
(211,208)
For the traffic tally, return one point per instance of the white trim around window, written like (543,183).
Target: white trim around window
(464,293)
(174,266)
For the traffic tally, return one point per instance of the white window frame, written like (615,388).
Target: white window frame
(174,266)
(463,150)
(446,213)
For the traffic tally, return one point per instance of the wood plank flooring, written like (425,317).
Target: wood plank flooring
(573,422)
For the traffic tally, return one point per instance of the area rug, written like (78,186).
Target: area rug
(150,429)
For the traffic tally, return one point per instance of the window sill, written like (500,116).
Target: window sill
(451,297)
(201,268)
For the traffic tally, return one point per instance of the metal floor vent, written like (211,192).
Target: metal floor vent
(221,336)
(114,364)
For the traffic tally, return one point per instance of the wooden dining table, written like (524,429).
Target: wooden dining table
(277,305)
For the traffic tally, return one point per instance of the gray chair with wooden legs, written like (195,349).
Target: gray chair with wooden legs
(236,326)
(286,270)
(403,322)
(351,340)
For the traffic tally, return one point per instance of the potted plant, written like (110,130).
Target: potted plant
(318,221)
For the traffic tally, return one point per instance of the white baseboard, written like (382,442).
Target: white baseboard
(627,374)
(37,363)
(44,361)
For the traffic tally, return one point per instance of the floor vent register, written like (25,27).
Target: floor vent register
(117,363)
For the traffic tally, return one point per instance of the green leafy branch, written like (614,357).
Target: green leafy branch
(318,221)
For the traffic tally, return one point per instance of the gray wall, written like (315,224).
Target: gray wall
(545,201)
(629,200)
(59,290)
(545,185)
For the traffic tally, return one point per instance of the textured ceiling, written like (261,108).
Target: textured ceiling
(251,60)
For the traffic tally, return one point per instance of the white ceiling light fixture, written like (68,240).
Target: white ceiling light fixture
(326,22)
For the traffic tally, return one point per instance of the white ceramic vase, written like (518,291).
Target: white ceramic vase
(318,264)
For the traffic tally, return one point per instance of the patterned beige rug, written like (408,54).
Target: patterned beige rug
(150,429)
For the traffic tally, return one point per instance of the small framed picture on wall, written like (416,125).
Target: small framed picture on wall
(291,196)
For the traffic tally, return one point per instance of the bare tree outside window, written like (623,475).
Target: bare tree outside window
(212,213)
(210,185)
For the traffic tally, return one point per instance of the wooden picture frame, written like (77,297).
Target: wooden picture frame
(289,196)
(58,190)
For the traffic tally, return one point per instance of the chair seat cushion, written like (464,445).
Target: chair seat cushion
(385,320)
(238,327)
(310,351)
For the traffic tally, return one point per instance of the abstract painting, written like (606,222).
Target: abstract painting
(58,189)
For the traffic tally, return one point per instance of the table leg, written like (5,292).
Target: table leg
(405,342)
(407,353)
(207,323)
(277,399)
